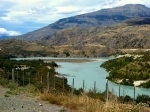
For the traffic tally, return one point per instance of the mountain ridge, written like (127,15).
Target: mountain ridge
(130,36)
(112,36)
(103,17)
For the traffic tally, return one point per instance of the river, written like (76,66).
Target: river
(91,72)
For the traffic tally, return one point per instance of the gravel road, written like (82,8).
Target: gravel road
(21,103)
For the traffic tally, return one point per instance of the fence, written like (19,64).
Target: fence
(119,90)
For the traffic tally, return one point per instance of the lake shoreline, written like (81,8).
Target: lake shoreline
(68,60)
(62,59)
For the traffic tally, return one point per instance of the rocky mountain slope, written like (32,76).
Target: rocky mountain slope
(104,17)
(130,34)
(92,42)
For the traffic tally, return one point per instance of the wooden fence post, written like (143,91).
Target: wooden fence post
(106,89)
(73,86)
(41,79)
(134,93)
(8,75)
(17,76)
(119,89)
(63,84)
(54,82)
(29,77)
(83,86)
(48,83)
(94,86)
(13,77)
(23,77)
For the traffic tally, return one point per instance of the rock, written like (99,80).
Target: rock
(40,104)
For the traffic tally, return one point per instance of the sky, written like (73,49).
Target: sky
(21,16)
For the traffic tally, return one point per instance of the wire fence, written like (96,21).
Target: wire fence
(119,90)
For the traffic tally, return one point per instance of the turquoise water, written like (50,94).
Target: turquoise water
(91,72)
(127,90)
(87,71)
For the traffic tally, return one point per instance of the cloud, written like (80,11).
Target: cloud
(116,3)
(4,32)
(39,13)
(45,12)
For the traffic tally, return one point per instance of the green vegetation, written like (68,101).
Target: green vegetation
(31,72)
(129,69)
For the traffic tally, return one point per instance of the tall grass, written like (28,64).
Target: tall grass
(15,89)
(84,103)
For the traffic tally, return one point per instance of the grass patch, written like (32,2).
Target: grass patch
(52,98)
(84,103)
(3,82)
(12,86)
(8,93)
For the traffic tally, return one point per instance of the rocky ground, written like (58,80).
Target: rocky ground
(22,103)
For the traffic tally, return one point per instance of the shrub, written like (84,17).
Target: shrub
(3,82)
(12,86)
(53,99)
(30,88)
(142,99)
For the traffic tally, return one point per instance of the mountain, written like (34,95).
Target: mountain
(133,33)
(20,48)
(4,37)
(129,36)
(104,17)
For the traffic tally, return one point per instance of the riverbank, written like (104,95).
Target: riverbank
(68,60)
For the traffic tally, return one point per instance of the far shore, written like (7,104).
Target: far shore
(68,60)
(49,59)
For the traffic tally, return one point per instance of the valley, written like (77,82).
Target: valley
(121,32)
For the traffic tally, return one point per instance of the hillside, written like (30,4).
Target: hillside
(130,34)
(104,17)
(103,41)
(20,48)
(92,42)
(129,69)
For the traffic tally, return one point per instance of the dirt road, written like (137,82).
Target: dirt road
(21,103)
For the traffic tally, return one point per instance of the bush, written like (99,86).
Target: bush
(53,64)
(78,91)
(142,99)
(125,99)
(97,95)
(3,82)
(12,86)
(30,88)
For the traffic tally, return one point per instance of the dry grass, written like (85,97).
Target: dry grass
(83,103)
